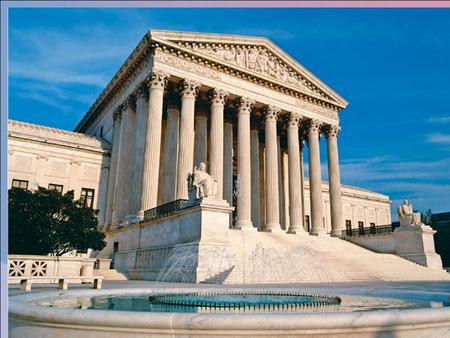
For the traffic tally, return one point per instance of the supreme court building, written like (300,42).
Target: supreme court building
(239,104)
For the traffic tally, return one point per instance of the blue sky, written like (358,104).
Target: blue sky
(392,65)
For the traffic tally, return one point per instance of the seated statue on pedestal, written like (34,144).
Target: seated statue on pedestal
(406,214)
(205,185)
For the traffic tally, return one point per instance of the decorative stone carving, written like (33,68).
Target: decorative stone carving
(314,125)
(217,96)
(202,182)
(406,214)
(244,105)
(157,79)
(332,131)
(259,60)
(314,108)
(188,87)
(294,119)
(271,112)
(141,91)
(130,102)
(117,114)
(186,65)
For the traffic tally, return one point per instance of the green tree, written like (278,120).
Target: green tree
(44,221)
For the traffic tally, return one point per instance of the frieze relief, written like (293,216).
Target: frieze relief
(256,59)
(186,65)
(317,109)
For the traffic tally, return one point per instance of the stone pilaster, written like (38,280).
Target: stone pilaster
(271,159)
(112,178)
(295,180)
(171,152)
(334,181)
(188,90)
(315,180)
(228,162)
(139,145)
(150,174)
(254,141)
(217,98)
(244,213)
(126,158)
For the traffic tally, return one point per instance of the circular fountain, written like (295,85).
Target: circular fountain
(201,311)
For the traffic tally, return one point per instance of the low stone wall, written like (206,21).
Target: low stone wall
(383,243)
(170,248)
(41,266)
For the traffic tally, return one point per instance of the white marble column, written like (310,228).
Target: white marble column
(228,162)
(302,184)
(112,178)
(171,152)
(280,184)
(244,212)
(188,90)
(295,180)
(262,186)
(150,174)
(315,180)
(139,145)
(201,138)
(285,177)
(334,181)
(254,141)
(271,158)
(217,98)
(126,158)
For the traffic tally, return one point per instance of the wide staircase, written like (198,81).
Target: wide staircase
(283,258)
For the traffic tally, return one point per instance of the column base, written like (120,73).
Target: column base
(297,231)
(317,233)
(336,233)
(244,226)
(272,227)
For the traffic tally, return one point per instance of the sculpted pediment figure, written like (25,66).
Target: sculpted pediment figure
(255,55)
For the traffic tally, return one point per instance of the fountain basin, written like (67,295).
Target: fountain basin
(29,317)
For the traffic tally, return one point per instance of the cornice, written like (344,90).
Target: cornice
(154,40)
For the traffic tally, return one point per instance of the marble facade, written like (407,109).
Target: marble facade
(242,106)
(239,104)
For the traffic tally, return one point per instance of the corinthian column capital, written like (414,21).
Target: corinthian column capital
(141,91)
(244,105)
(271,112)
(117,114)
(157,79)
(294,120)
(332,131)
(217,96)
(189,88)
(130,102)
(314,125)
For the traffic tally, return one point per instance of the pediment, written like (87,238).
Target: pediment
(253,55)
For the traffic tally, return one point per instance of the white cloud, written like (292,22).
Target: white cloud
(438,138)
(442,119)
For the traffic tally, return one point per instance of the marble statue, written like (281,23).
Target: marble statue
(205,185)
(406,214)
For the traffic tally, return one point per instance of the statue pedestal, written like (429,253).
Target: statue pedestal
(416,243)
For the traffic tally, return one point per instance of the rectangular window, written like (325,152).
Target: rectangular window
(56,187)
(361,227)
(21,184)
(87,197)
(348,227)
(372,228)
(307,222)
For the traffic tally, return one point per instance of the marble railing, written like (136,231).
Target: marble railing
(41,266)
